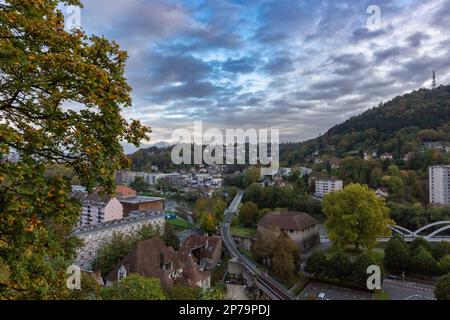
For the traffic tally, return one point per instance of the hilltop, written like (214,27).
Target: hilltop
(399,126)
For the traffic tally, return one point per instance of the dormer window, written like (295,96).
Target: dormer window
(121,273)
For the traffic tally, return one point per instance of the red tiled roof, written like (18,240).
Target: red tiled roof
(125,191)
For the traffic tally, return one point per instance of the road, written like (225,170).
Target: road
(334,292)
(266,283)
(405,290)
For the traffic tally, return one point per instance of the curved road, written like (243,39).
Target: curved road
(267,284)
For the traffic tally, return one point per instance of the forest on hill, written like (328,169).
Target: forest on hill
(399,126)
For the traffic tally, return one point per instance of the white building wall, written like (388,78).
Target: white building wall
(439,184)
(93,239)
(326,186)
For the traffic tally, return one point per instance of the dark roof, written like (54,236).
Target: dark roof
(145,260)
(209,245)
(288,220)
(93,197)
(191,273)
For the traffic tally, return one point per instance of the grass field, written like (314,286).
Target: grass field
(243,232)
(179,224)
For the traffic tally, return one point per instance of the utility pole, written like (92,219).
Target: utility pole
(434,80)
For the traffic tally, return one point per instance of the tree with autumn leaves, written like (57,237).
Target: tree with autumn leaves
(209,213)
(355,216)
(44,70)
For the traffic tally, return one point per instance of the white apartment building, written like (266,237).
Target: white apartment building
(439,181)
(97,208)
(325,186)
(94,236)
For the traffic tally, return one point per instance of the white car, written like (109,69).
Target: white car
(321,296)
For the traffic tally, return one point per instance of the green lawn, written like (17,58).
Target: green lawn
(243,232)
(377,255)
(179,224)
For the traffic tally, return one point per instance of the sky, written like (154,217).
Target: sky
(299,66)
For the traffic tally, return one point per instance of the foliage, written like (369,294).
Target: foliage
(209,213)
(216,293)
(415,215)
(442,289)
(251,175)
(397,258)
(356,216)
(134,287)
(90,289)
(423,262)
(278,251)
(420,257)
(317,264)
(284,258)
(396,126)
(44,69)
(248,214)
(113,251)
(169,237)
(183,292)
(139,184)
(340,266)
(445,264)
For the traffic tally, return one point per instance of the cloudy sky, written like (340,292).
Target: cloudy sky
(300,66)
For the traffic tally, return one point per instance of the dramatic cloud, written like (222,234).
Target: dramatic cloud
(298,65)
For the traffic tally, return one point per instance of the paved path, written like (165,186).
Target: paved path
(334,292)
(405,290)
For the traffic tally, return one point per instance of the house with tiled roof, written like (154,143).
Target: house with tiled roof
(205,250)
(152,258)
(299,226)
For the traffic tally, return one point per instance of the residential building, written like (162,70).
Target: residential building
(94,236)
(206,251)
(386,156)
(325,186)
(439,183)
(284,172)
(97,208)
(299,226)
(151,258)
(305,171)
(78,188)
(382,193)
(134,203)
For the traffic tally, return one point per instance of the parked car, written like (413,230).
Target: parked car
(321,296)
(393,277)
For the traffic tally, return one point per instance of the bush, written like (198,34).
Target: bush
(442,290)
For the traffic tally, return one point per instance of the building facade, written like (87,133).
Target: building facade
(97,208)
(299,226)
(439,184)
(94,236)
(205,250)
(135,203)
(325,186)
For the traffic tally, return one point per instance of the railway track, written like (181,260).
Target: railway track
(266,283)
